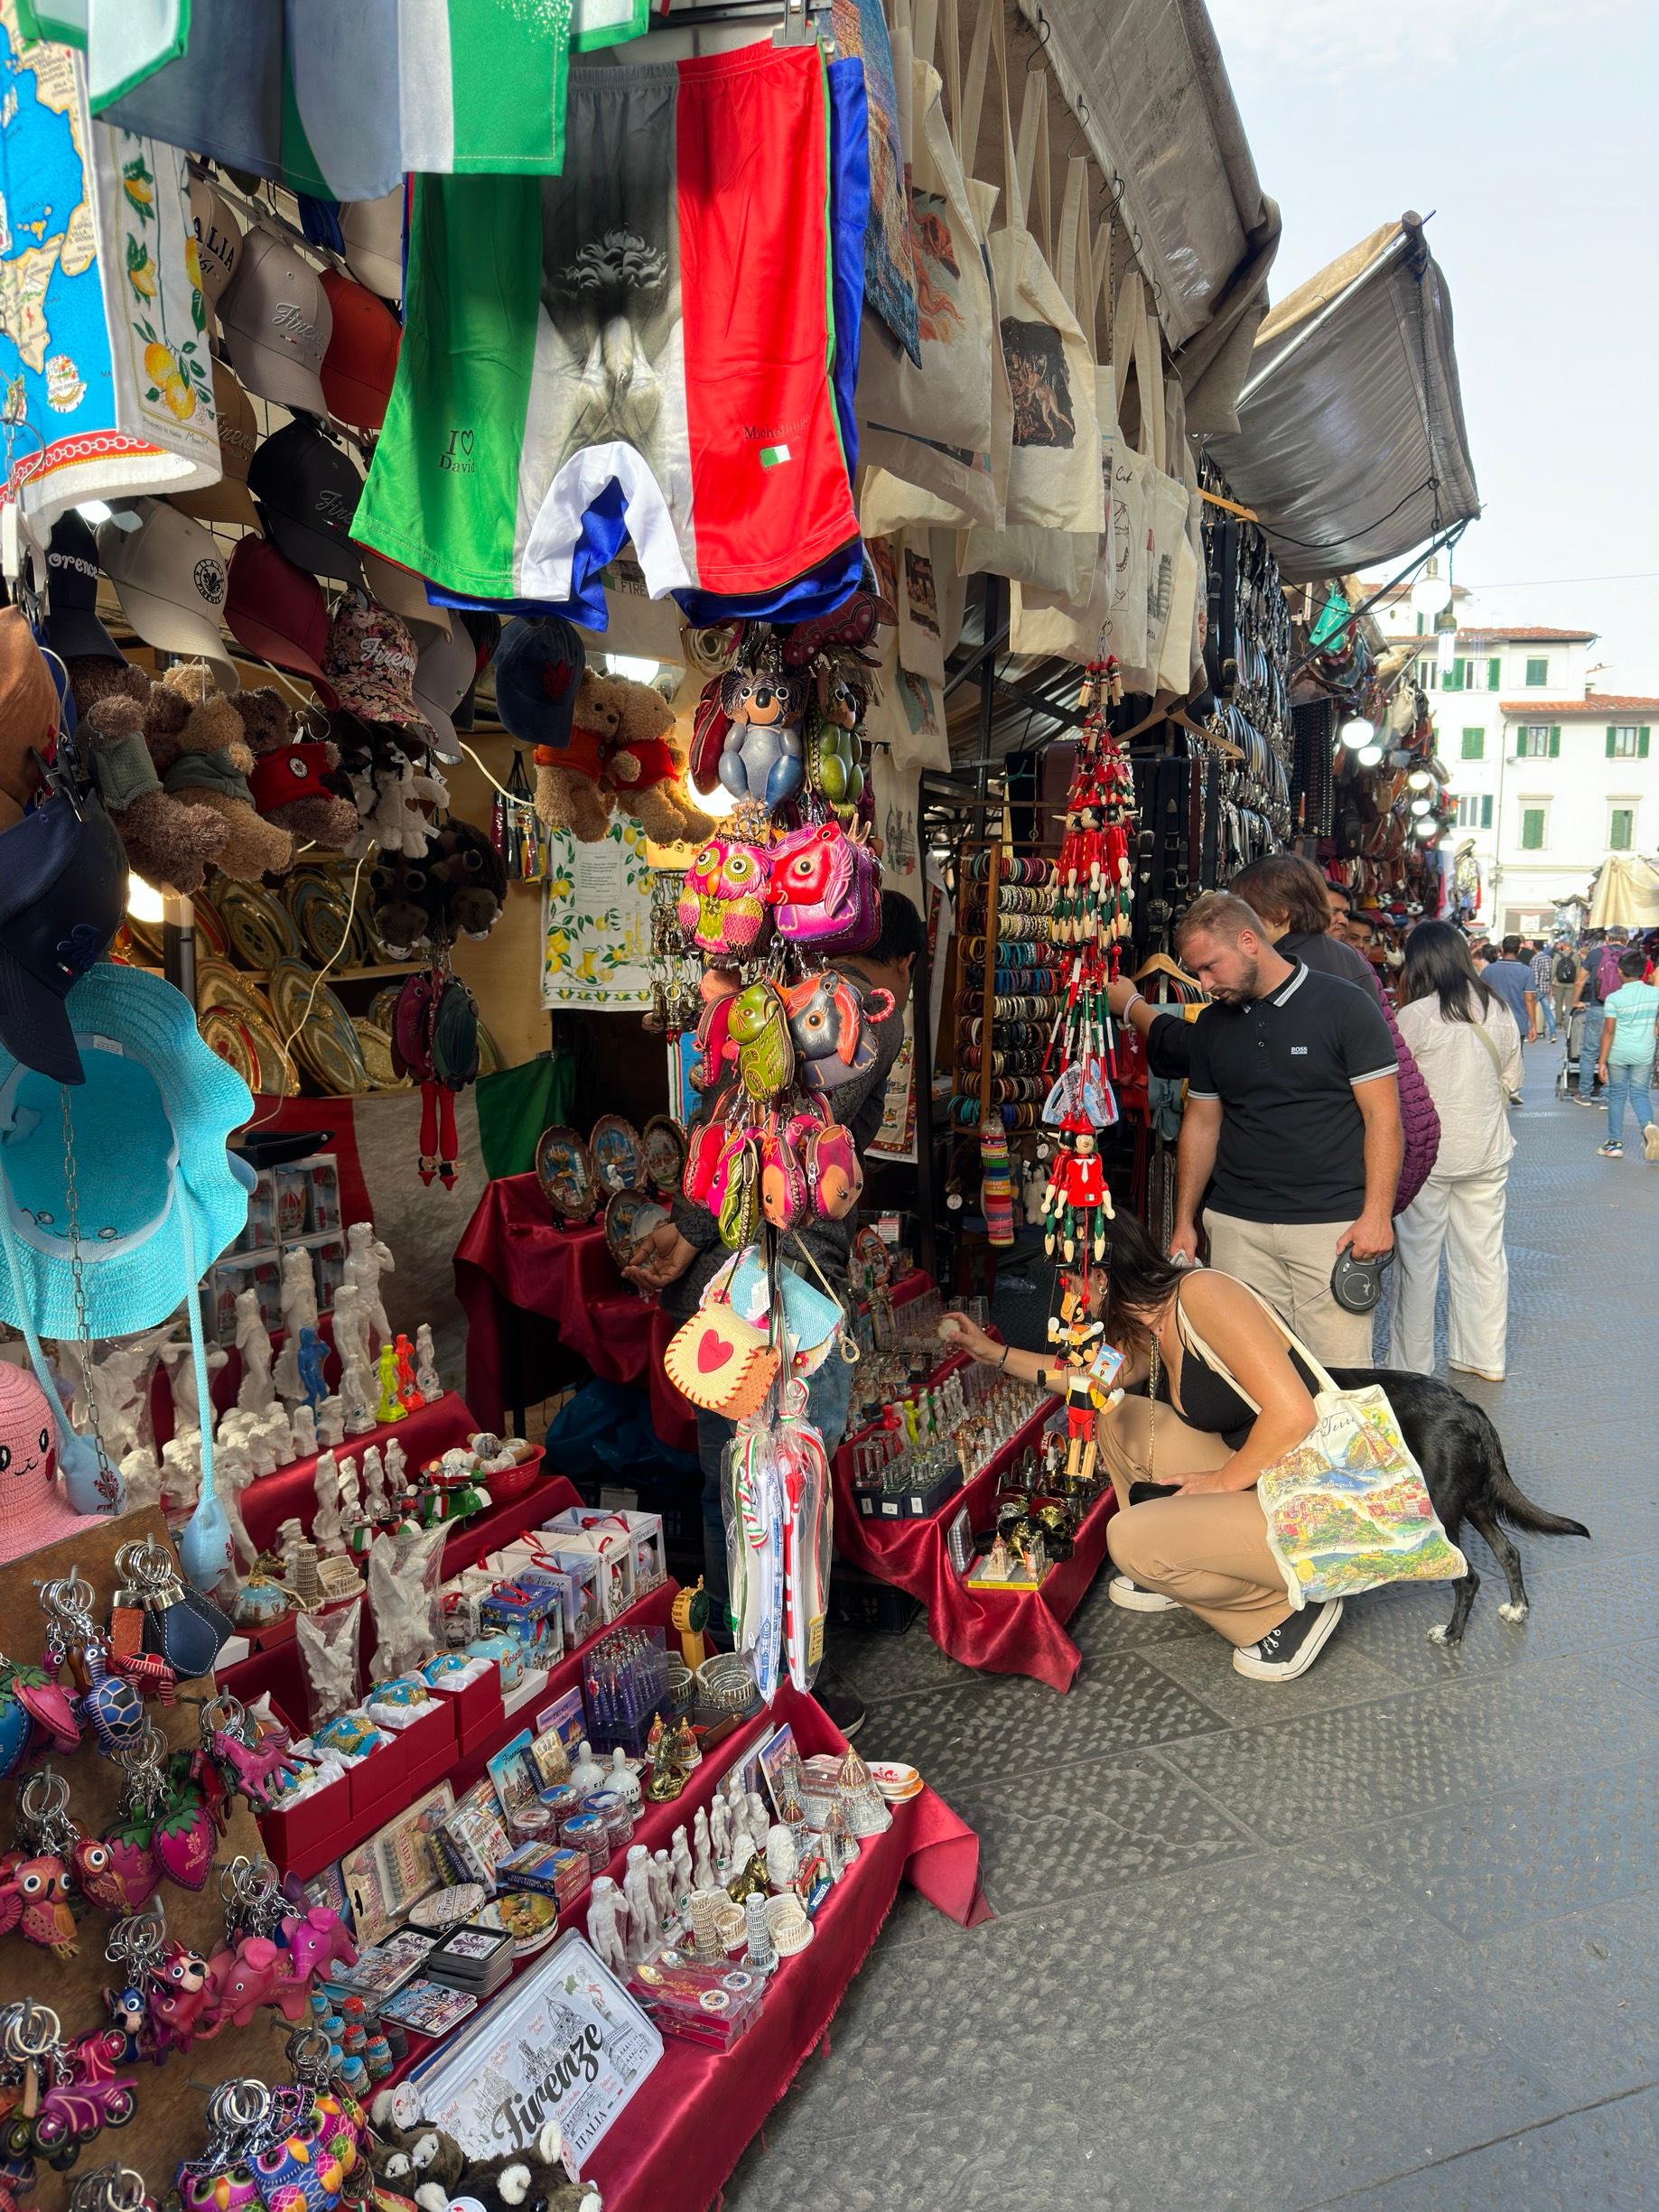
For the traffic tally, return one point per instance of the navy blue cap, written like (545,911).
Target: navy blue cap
(72,628)
(538,666)
(62,898)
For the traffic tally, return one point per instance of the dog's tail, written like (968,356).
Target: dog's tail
(1514,1506)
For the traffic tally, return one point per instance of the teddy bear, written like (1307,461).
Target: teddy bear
(170,841)
(203,758)
(296,782)
(644,762)
(569,779)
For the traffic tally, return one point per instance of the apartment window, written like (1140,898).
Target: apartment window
(1474,745)
(1621,828)
(1495,673)
(1538,742)
(1475,813)
(1537,675)
(1532,829)
(1626,741)
(1429,673)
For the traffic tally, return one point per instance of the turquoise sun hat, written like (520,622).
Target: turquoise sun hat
(153,1199)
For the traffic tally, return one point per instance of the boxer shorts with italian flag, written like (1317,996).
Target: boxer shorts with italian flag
(658,319)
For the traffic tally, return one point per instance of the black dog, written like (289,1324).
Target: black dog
(1466,1476)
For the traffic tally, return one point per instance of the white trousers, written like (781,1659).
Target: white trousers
(1463,1216)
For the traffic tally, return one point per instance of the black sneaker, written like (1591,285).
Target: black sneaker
(1135,1597)
(845,1710)
(1292,1648)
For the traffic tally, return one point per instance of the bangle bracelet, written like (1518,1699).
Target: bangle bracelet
(1138,999)
(1003,1362)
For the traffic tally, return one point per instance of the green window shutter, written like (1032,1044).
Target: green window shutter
(1419,626)
(1532,829)
(1495,670)
(1555,741)
(1641,742)
(1612,740)
(1520,742)
(1474,744)
(1486,812)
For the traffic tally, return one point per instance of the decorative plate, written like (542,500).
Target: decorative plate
(629,1216)
(566,1174)
(383,1006)
(614,1148)
(278,1077)
(210,924)
(322,915)
(322,1037)
(662,1153)
(146,938)
(261,931)
(217,983)
(532,1920)
(226,1034)
(894,1780)
(376,1046)
(445,1909)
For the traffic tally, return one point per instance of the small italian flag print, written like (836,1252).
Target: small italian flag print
(773,456)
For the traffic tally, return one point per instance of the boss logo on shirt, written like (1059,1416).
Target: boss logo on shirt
(1299,1051)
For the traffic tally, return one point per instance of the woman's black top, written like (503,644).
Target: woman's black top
(1209,1400)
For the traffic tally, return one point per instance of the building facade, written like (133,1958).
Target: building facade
(1550,775)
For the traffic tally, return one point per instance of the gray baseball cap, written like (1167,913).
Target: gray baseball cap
(171,583)
(277,322)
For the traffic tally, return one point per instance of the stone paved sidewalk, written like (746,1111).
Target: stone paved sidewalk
(1386,1938)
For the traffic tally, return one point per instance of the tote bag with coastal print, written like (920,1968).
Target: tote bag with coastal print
(1053,469)
(1150,509)
(928,429)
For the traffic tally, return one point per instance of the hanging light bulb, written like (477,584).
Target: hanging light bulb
(143,901)
(1369,755)
(1357,731)
(1427,831)
(1420,779)
(1422,804)
(1432,591)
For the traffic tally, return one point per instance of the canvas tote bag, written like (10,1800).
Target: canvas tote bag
(1181,650)
(1053,476)
(929,433)
(1151,507)
(1077,628)
(1347,1508)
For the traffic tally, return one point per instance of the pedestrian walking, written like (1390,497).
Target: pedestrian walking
(1542,965)
(1511,979)
(1625,1060)
(1598,979)
(1565,968)
(1468,1045)
(1293,1107)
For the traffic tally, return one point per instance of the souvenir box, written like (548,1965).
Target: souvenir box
(909,1504)
(576,1569)
(259,1271)
(476,1708)
(650,1563)
(379,1783)
(531,1613)
(612,1546)
(260,1227)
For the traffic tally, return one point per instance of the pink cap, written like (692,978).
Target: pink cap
(34,1512)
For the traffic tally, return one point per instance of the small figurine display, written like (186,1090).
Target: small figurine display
(256,1389)
(366,1260)
(426,1377)
(299,1310)
(408,1396)
(391,1407)
(313,1359)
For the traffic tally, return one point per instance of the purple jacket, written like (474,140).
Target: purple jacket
(1419,1121)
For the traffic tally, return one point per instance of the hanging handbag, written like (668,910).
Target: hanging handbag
(1347,1508)
(720,1361)
(1054,487)
(1179,655)
(927,429)
(826,888)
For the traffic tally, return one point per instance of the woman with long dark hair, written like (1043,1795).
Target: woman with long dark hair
(1230,1397)
(1468,1047)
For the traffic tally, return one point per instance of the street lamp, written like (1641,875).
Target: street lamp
(1432,591)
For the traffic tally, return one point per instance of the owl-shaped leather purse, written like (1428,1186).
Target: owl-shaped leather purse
(725,904)
(826,888)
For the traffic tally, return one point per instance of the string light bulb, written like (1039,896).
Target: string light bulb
(1432,591)
(1357,732)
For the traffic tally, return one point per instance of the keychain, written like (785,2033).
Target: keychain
(109,1706)
(262,1767)
(290,2150)
(55,2095)
(159,2004)
(174,1622)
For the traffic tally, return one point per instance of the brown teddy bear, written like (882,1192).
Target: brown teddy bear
(569,779)
(645,761)
(169,841)
(205,759)
(295,782)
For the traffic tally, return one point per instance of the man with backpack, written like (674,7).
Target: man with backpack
(1598,979)
(1542,960)
(1564,967)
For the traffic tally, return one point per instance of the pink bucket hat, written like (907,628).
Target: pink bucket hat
(34,1512)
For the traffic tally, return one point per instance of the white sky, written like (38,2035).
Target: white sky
(1528,126)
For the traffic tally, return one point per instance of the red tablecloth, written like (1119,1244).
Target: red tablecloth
(513,1252)
(999,1632)
(680,2137)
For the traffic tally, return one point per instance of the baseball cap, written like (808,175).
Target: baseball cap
(442,678)
(171,583)
(62,898)
(361,360)
(277,612)
(373,232)
(239,434)
(218,240)
(404,593)
(538,666)
(274,315)
(370,661)
(72,628)
(308,493)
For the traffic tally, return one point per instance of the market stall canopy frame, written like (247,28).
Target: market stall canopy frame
(1352,446)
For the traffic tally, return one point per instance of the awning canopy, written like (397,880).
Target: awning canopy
(1351,419)
(1147,84)
(1627,895)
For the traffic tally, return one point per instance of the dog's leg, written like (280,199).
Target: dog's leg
(1509,1559)
(1451,1635)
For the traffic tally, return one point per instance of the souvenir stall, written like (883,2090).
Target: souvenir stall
(468,713)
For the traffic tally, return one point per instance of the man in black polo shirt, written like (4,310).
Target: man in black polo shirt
(1293,1108)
